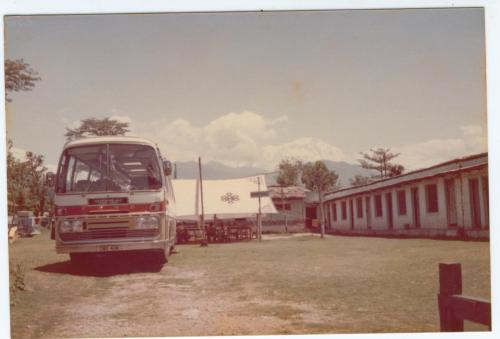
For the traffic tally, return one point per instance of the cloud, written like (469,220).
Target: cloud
(249,139)
(305,149)
(121,118)
(280,120)
(434,151)
(235,139)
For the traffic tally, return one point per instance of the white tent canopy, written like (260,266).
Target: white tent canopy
(227,199)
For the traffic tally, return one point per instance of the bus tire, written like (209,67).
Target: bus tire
(175,242)
(161,257)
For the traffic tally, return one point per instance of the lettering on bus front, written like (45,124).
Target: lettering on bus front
(108,201)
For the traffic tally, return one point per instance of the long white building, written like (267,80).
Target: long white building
(446,200)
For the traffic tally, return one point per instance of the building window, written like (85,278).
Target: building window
(281,207)
(432,198)
(334,210)
(378,205)
(402,202)
(344,210)
(359,207)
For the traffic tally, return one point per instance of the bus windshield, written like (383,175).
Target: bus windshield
(109,168)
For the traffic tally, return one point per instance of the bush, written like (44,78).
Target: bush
(17,279)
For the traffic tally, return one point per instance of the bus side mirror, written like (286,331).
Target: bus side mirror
(167,167)
(50,178)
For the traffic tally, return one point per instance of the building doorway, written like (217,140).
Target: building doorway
(368,213)
(311,214)
(486,200)
(415,206)
(351,213)
(451,202)
(326,208)
(475,209)
(388,204)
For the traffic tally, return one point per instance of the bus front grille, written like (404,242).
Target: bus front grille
(109,233)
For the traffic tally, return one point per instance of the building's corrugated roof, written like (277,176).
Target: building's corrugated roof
(287,192)
(459,164)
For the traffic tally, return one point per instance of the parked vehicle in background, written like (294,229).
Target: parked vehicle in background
(45,220)
(26,223)
(113,194)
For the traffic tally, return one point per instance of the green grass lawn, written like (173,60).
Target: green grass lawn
(286,286)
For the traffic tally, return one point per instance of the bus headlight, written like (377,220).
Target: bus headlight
(141,221)
(153,221)
(68,226)
(147,221)
(77,225)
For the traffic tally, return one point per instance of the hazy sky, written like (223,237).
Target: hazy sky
(253,88)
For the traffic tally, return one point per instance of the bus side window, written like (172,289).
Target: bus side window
(69,176)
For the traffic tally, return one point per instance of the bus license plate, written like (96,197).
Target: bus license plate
(108,248)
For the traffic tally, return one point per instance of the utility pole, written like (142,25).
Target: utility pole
(258,194)
(283,207)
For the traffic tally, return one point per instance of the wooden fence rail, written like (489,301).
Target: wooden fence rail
(454,308)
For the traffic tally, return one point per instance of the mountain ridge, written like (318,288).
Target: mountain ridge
(213,170)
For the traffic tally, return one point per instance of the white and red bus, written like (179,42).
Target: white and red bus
(113,194)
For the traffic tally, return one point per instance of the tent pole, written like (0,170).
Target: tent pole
(204,241)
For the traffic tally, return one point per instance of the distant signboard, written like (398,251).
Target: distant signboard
(259,194)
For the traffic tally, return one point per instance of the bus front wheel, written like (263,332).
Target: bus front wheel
(161,257)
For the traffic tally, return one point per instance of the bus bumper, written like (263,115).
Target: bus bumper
(112,247)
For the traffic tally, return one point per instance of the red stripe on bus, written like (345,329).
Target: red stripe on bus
(103,209)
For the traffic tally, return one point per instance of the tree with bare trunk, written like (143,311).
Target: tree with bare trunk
(289,172)
(380,160)
(317,177)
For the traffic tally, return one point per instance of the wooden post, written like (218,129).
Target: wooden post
(450,283)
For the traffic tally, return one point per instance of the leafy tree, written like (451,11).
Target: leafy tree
(359,180)
(14,193)
(289,172)
(26,187)
(317,177)
(395,170)
(380,160)
(19,76)
(97,127)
